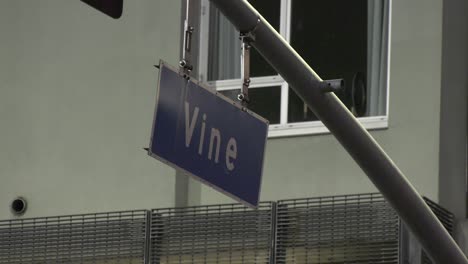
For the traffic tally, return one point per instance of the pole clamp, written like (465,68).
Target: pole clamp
(249,35)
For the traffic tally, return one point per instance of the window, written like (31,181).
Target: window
(338,39)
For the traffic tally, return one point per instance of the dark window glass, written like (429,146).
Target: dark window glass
(111,8)
(298,110)
(331,36)
(265,102)
(224,44)
(270,10)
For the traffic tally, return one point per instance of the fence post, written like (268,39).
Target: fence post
(274,227)
(148,237)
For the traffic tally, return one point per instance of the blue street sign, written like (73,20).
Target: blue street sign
(208,136)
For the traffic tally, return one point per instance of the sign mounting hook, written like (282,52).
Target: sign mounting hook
(246,39)
(185,63)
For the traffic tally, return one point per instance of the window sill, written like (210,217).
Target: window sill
(317,127)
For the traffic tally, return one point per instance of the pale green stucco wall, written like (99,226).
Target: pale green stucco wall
(77,96)
(318,165)
(77,92)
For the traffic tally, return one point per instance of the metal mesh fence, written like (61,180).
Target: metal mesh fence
(337,229)
(445,217)
(117,237)
(229,233)
(354,229)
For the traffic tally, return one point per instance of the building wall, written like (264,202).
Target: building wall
(453,160)
(318,165)
(77,98)
(77,93)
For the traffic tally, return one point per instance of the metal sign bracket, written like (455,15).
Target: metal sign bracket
(246,39)
(185,63)
(243,96)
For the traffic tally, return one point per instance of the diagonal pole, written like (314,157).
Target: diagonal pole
(348,131)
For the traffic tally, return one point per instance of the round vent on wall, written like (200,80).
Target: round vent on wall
(18,206)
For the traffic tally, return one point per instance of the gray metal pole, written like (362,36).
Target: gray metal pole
(355,139)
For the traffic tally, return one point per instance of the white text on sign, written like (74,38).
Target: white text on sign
(215,138)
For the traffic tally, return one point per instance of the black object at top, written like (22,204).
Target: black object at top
(112,8)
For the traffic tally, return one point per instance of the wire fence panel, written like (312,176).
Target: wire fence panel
(337,229)
(357,229)
(228,233)
(117,237)
(445,217)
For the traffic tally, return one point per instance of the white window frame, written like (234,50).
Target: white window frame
(284,129)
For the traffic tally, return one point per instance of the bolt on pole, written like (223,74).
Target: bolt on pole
(348,131)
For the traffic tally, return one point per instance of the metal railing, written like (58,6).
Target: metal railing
(445,217)
(117,237)
(337,229)
(228,233)
(357,229)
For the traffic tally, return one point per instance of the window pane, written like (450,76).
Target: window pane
(271,11)
(344,39)
(263,101)
(297,110)
(224,44)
